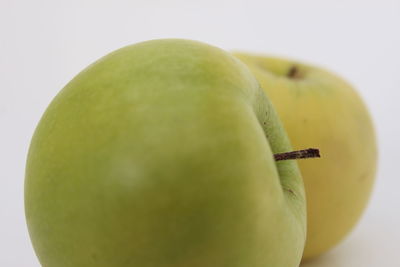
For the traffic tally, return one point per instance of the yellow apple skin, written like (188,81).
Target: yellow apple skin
(319,109)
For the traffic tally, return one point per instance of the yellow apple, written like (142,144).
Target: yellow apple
(319,109)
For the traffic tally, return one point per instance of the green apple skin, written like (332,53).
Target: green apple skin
(160,154)
(320,109)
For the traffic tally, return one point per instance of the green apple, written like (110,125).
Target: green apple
(320,109)
(161,154)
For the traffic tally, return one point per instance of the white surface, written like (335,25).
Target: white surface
(43,44)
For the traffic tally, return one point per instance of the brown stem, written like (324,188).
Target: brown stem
(294,73)
(298,154)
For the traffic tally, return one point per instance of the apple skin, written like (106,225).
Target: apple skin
(319,109)
(161,155)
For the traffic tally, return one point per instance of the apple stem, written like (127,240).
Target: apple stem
(298,154)
(294,73)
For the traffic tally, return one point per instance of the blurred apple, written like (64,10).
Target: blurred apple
(320,109)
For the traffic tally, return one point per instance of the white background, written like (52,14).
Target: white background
(43,44)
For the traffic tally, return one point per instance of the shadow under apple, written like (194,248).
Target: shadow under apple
(346,254)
